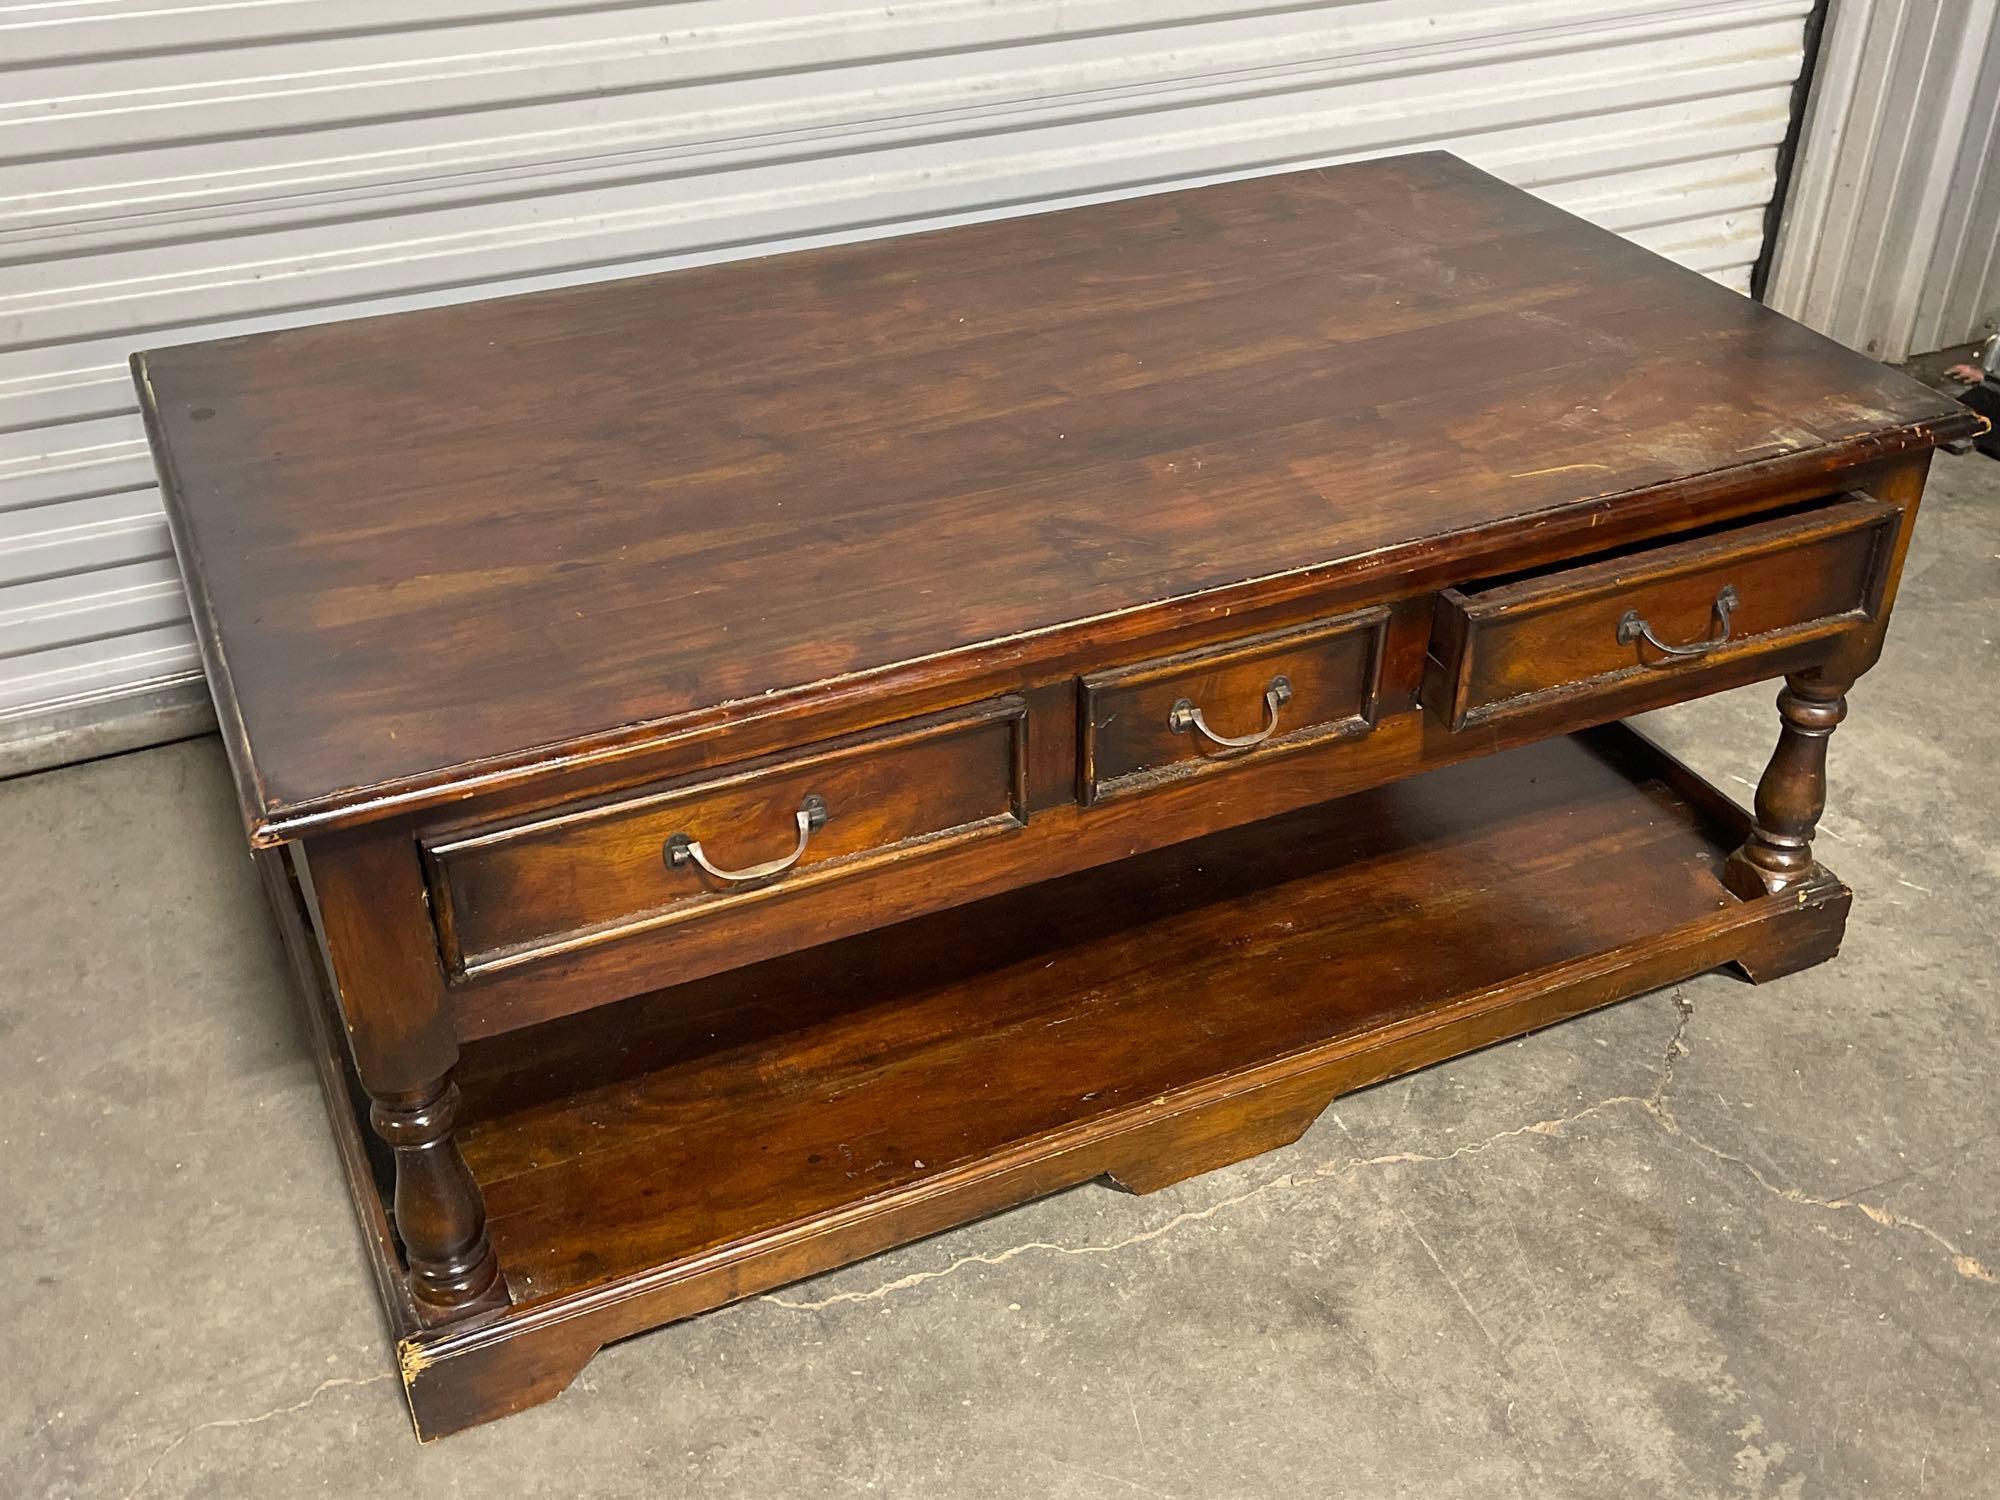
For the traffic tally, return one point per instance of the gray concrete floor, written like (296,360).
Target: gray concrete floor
(1716,1241)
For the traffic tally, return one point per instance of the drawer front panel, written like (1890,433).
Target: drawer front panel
(1520,646)
(579,877)
(1206,710)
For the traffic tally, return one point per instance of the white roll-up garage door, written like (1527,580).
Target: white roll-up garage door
(180,169)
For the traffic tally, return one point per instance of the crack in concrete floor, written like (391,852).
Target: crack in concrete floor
(1653,1105)
(337,1382)
(1287,1182)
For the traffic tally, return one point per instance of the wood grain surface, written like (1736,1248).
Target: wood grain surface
(463,542)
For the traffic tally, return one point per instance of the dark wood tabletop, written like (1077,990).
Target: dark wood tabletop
(430,545)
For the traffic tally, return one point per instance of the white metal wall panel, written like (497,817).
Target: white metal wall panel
(1891,238)
(175,171)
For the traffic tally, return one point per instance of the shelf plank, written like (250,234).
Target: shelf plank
(671,1128)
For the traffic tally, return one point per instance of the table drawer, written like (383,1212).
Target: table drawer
(1517,645)
(581,876)
(1205,710)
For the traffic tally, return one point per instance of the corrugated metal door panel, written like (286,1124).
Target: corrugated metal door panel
(70,537)
(103,604)
(86,671)
(1890,231)
(1960,297)
(217,168)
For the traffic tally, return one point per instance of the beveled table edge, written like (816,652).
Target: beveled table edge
(923,684)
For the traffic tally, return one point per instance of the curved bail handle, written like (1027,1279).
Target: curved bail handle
(681,850)
(1632,627)
(1184,716)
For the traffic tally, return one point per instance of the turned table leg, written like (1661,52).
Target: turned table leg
(439,1212)
(1792,792)
(368,900)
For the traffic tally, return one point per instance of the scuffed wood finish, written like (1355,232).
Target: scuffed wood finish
(459,549)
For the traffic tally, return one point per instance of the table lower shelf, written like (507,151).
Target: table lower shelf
(1142,1022)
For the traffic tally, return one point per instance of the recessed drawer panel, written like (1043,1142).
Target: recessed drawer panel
(1519,645)
(1206,710)
(582,876)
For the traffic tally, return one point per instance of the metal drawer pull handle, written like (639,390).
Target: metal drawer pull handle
(1185,716)
(682,850)
(1633,627)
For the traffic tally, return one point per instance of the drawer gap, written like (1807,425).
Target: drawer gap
(1637,549)
(1594,638)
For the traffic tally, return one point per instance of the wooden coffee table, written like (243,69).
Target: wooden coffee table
(760,764)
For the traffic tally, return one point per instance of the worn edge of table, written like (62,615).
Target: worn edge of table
(471,1372)
(1418,565)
